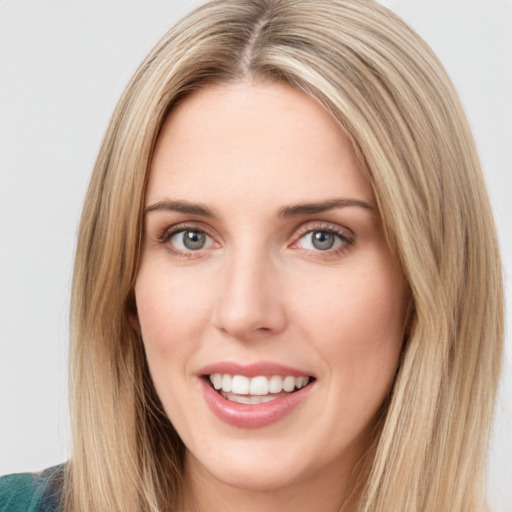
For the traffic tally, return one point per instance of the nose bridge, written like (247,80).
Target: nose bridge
(249,302)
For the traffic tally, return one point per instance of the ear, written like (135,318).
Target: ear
(134,322)
(132,314)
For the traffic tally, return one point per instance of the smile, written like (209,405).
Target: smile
(256,390)
(254,396)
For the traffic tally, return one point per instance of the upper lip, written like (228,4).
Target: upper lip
(264,368)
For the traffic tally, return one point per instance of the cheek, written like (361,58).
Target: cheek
(168,315)
(167,328)
(356,323)
(171,309)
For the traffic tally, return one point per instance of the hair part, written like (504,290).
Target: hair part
(392,97)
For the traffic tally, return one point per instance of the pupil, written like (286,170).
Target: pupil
(194,240)
(323,240)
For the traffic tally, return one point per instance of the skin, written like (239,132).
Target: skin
(260,290)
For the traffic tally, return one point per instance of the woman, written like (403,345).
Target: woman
(287,210)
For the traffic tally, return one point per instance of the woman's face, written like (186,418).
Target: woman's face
(265,271)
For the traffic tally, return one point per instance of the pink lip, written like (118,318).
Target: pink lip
(253,415)
(264,368)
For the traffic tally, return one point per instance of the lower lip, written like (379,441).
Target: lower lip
(252,415)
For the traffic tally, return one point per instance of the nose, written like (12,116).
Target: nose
(249,304)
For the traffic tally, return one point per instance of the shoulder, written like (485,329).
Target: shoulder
(32,492)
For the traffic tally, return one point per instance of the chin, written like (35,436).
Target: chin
(256,478)
(258,470)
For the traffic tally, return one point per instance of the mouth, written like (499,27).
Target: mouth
(256,390)
(254,395)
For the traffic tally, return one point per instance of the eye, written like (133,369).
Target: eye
(324,240)
(187,240)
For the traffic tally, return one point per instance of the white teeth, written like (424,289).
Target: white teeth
(301,382)
(248,399)
(240,385)
(275,384)
(259,386)
(216,379)
(255,387)
(226,383)
(289,384)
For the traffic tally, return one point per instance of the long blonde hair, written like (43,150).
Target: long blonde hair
(390,94)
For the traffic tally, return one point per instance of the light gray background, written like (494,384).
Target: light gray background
(63,65)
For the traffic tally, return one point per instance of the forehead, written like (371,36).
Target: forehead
(253,139)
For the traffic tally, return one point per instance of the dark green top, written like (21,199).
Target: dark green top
(32,492)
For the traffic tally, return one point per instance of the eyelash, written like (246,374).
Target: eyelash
(165,237)
(347,240)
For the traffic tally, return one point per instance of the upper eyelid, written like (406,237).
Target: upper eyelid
(346,235)
(186,226)
(164,238)
(297,232)
(310,226)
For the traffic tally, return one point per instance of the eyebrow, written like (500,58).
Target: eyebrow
(287,211)
(322,206)
(181,207)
